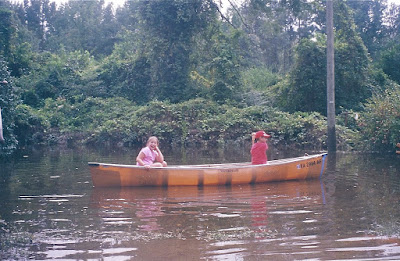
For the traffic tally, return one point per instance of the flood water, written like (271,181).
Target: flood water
(49,210)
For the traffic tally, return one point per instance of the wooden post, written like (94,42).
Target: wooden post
(330,78)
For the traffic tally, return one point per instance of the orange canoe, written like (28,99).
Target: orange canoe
(115,175)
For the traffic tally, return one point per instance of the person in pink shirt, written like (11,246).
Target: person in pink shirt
(259,148)
(151,156)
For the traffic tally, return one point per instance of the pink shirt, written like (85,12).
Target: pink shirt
(149,156)
(259,153)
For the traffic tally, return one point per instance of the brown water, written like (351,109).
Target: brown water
(49,210)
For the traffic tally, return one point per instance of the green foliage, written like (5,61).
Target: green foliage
(81,25)
(259,86)
(8,101)
(390,62)
(196,122)
(217,64)
(89,73)
(351,62)
(274,28)
(380,123)
(13,48)
(369,19)
(224,68)
(306,89)
(259,78)
(20,62)
(63,75)
(126,74)
(170,26)
(307,130)
(29,126)
(88,113)
(6,32)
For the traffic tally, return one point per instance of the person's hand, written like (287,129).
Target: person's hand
(147,166)
(253,136)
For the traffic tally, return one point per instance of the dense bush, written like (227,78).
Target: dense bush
(57,75)
(259,86)
(258,78)
(118,122)
(8,101)
(390,62)
(305,89)
(29,126)
(381,120)
(306,86)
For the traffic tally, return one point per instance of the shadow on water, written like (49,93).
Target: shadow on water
(49,210)
(332,158)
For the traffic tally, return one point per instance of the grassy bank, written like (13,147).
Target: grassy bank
(198,122)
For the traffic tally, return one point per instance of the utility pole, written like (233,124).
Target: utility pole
(1,120)
(330,78)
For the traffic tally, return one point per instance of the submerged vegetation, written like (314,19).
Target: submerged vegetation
(88,73)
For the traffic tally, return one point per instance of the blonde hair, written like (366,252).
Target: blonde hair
(152,138)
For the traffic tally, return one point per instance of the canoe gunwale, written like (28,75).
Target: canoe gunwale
(212,166)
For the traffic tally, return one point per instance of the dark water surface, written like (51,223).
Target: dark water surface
(49,210)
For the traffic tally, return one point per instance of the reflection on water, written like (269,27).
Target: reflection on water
(49,210)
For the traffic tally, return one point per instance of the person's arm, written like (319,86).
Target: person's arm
(139,159)
(253,138)
(160,156)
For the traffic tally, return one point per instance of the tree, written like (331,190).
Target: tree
(13,46)
(109,32)
(35,18)
(81,26)
(224,68)
(392,19)
(368,18)
(380,123)
(6,32)
(274,28)
(304,90)
(56,76)
(169,27)
(352,62)
(127,75)
(8,102)
(390,62)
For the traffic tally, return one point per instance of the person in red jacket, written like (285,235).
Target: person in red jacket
(259,148)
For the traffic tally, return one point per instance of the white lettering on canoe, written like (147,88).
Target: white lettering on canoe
(309,164)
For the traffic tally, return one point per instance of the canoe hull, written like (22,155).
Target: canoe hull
(114,175)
